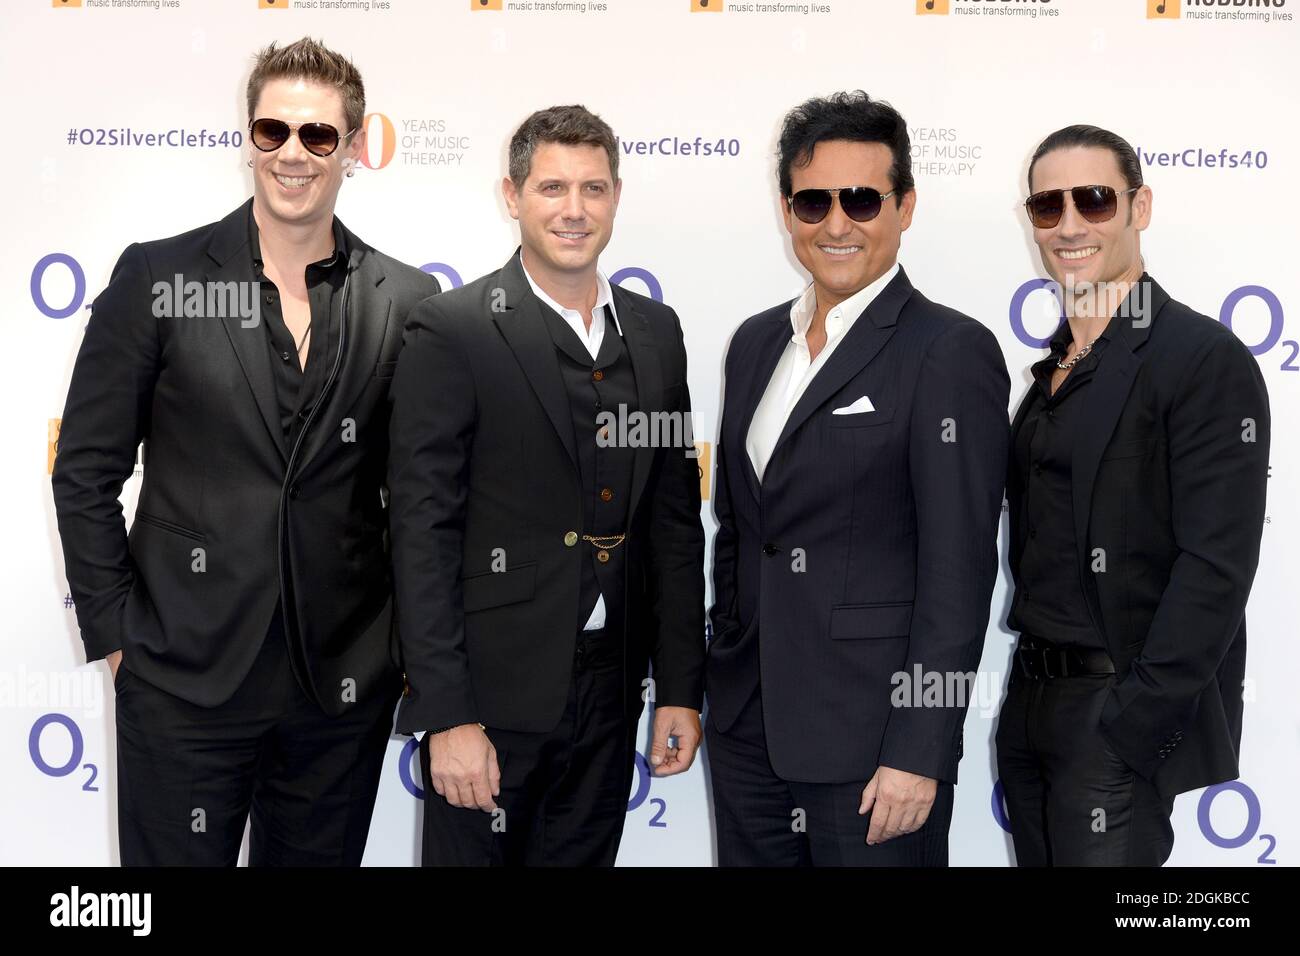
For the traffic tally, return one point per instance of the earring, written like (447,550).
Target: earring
(351,173)
(250,164)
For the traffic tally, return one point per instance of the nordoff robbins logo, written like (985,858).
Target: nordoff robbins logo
(207,300)
(637,429)
(102,909)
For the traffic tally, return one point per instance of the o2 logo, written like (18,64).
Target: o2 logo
(1273,337)
(37,737)
(404,769)
(78,285)
(1248,832)
(444,270)
(643,778)
(1000,806)
(653,288)
(1275,321)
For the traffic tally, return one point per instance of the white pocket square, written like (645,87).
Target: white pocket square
(863,404)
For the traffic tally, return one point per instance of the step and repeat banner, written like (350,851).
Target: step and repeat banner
(126,122)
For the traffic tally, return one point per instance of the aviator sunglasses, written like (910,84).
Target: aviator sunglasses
(860,203)
(319,139)
(1094,203)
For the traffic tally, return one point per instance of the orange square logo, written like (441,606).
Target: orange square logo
(704,463)
(706,6)
(273,4)
(52,441)
(65,3)
(939,7)
(1163,9)
(485,4)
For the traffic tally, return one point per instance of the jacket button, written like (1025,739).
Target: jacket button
(293,491)
(570,539)
(770,549)
(597,375)
(602,556)
(606,494)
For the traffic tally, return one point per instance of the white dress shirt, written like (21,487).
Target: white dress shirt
(592,339)
(797,368)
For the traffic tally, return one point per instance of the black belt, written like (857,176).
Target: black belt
(1040,660)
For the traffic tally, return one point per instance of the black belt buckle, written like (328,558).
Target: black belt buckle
(1041,656)
(1022,658)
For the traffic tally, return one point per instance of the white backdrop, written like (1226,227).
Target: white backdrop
(1206,92)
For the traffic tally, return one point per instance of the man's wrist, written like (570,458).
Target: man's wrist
(443,730)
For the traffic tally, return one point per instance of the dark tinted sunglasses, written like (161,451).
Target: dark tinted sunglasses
(320,139)
(1094,203)
(860,203)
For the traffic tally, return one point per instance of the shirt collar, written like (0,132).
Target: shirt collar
(841,317)
(1059,343)
(604,297)
(340,243)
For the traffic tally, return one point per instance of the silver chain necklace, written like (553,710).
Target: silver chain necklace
(1066,366)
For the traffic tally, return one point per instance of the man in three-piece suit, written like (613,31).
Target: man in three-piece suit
(1136,495)
(859,487)
(247,615)
(542,555)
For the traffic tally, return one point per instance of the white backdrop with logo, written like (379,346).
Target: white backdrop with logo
(126,122)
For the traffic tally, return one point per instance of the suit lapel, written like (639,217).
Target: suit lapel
(230,262)
(366,315)
(1108,394)
(524,329)
(772,339)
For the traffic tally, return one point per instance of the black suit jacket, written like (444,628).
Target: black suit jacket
(483,459)
(1170,496)
(307,520)
(897,529)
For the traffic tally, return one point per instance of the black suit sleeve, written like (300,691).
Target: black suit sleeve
(676,555)
(1218,432)
(431,431)
(958,455)
(722,614)
(104,421)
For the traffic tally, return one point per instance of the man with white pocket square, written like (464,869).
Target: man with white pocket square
(860,470)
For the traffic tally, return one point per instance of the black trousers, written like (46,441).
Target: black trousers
(1070,799)
(763,820)
(564,794)
(189,777)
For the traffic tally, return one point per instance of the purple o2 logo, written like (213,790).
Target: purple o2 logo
(78,285)
(1000,806)
(653,288)
(643,778)
(1017,316)
(78,749)
(1248,832)
(1276,320)
(444,270)
(404,769)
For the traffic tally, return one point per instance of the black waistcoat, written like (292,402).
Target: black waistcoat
(606,384)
